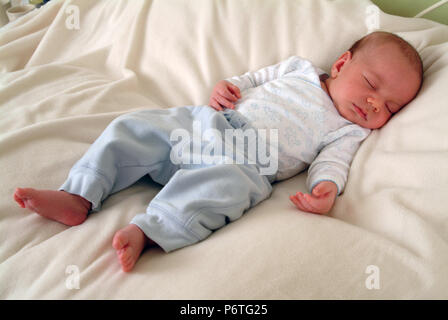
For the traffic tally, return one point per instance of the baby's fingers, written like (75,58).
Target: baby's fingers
(320,205)
(296,202)
(235,90)
(227,94)
(224,102)
(301,203)
(307,202)
(214,104)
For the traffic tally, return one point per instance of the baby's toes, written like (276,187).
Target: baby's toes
(120,240)
(19,200)
(126,258)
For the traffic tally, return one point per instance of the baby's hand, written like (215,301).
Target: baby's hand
(224,95)
(321,199)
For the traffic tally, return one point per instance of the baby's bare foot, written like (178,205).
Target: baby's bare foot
(61,206)
(129,243)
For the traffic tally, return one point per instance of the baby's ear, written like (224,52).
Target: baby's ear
(337,65)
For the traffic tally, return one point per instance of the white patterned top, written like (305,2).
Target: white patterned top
(288,96)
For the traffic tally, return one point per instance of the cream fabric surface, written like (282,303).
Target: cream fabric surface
(60,87)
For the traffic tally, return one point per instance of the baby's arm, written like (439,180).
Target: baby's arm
(328,172)
(254,79)
(227,92)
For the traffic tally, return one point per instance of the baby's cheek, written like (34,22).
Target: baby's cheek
(381,120)
(386,118)
(347,92)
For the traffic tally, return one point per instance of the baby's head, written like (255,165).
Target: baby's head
(374,79)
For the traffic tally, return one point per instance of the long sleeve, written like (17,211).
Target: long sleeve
(333,161)
(254,79)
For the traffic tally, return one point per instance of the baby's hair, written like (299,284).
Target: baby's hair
(379,37)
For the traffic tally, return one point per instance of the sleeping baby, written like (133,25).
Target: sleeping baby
(320,121)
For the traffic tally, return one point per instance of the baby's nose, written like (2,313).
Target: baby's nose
(374,103)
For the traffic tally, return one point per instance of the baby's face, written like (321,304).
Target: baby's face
(368,88)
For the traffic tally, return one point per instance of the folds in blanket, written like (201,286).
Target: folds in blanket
(48,35)
(82,85)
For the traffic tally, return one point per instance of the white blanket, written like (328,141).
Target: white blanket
(63,80)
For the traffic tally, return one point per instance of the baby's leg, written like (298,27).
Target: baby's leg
(61,206)
(127,150)
(131,147)
(196,202)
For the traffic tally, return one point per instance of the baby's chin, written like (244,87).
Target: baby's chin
(369,125)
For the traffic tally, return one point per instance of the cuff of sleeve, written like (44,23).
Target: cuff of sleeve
(339,185)
(240,83)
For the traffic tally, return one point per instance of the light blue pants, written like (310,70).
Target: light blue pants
(196,198)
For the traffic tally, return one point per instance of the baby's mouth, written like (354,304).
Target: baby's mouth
(360,112)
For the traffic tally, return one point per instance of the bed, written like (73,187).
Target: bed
(71,67)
